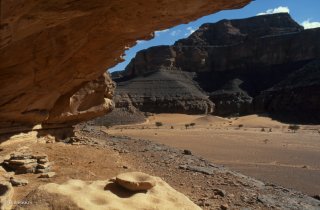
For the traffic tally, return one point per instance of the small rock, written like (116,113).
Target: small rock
(123,151)
(220,192)
(187,152)
(316,197)
(39,156)
(18,182)
(135,181)
(45,165)
(43,160)
(20,156)
(47,175)
(224,207)
(41,170)
(21,162)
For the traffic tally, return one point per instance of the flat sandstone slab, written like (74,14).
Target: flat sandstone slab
(107,195)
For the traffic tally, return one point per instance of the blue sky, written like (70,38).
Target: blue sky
(305,12)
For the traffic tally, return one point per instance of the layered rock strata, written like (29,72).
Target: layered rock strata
(233,62)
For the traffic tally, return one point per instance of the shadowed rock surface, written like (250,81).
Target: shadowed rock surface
(233,61)
(295,98)
(53,53)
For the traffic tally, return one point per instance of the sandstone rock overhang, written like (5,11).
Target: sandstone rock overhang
(53,52)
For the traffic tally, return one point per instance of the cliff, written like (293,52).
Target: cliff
(235,61)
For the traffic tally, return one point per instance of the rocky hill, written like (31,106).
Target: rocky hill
(239,64)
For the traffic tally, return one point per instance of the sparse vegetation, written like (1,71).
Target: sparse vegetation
(172,127)
(263,130)
(270,129)
(294,128)
(187,126)
(158,124)
(240,126)
(192,124)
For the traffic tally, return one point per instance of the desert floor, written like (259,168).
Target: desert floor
(276,155)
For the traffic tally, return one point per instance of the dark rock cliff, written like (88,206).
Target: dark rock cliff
(234,62)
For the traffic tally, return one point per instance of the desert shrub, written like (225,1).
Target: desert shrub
(294,128)
(172,127)
(192,124)
(262,130)
(158,124)
(187,126)
(270,129)
(240,126)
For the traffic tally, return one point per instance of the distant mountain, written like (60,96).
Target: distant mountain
(232,67)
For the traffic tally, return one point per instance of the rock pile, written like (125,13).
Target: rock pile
(26,162)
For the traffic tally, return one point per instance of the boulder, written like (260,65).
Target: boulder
(18,182)
(77,194)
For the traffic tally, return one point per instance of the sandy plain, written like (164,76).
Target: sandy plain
(253,145)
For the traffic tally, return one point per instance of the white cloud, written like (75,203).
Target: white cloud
(190,30)
(280,9)
(307,24)
(158,33)
(140,41)
(175,32)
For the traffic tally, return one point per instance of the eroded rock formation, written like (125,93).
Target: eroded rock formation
(233,62)
(109,195)
(53,52)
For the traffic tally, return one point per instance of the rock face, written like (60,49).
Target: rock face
(296,97)
(77,194)
(170,91)
(233,62)
(54,53)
